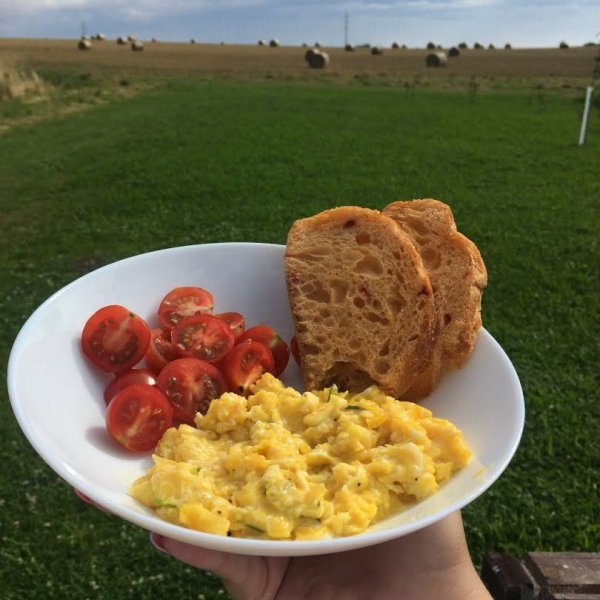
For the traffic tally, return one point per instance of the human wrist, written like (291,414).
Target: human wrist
(464,584)
(456,581)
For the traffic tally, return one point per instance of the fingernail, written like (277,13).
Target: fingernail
(82,496)
(158,541)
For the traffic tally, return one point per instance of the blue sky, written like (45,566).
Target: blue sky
(413,22)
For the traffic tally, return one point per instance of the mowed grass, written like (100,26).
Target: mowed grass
(200,162)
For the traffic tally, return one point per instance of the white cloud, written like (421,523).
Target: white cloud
(450,4)
(169,6)
(141,5)
(413,21)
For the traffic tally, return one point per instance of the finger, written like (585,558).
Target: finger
(244,576)
(88,500)
(225,565)
(82,496)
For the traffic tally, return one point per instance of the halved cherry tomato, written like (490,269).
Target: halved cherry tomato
(138,416)
(160,351)
(127,378)
(182,303)
(115,339)
(190,384)
(245,364)
(236,323)
(204,337)
(294,349)
(272,340)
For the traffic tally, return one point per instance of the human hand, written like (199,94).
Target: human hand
(428,564)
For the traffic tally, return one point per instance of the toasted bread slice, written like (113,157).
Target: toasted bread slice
(361,301)
(458,276)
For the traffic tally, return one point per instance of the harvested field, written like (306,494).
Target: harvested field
(253,61)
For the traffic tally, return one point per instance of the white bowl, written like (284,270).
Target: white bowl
(57,397)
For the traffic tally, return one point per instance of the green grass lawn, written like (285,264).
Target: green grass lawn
(198,161)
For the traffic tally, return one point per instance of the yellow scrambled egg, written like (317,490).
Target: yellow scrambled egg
(291,466)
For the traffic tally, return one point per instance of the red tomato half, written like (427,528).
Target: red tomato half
(126,378)
(182,303)
(190,384)
(204,337)
(236,323)
(245,364)
(138,416)
(294,349)
(160,351)
(271,339)
(115,339)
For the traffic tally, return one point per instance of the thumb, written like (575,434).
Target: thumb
(245,577)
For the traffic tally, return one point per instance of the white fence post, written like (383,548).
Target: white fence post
(586,114)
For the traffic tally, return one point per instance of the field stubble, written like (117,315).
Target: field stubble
(73,80)
(284,61)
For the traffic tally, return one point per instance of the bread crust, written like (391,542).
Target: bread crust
(361,301)
(458,276)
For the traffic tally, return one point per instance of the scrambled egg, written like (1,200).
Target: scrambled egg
(291,466)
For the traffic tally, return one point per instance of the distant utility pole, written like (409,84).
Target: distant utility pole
(346,19)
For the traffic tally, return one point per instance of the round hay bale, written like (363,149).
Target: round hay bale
(100,37)
(349,48)
(463,46)
(507,47)
(478,46)
(304,45)
(491,47)
(563,45)
(404,46)
(454,51)
(137,46)
(154,40)
(262,43)
(430,46)
(376,50)
(395,46)
(84,44)
(121,41)
(274,43)
(308,55)
(318,59)
(436,59)
(192,41)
